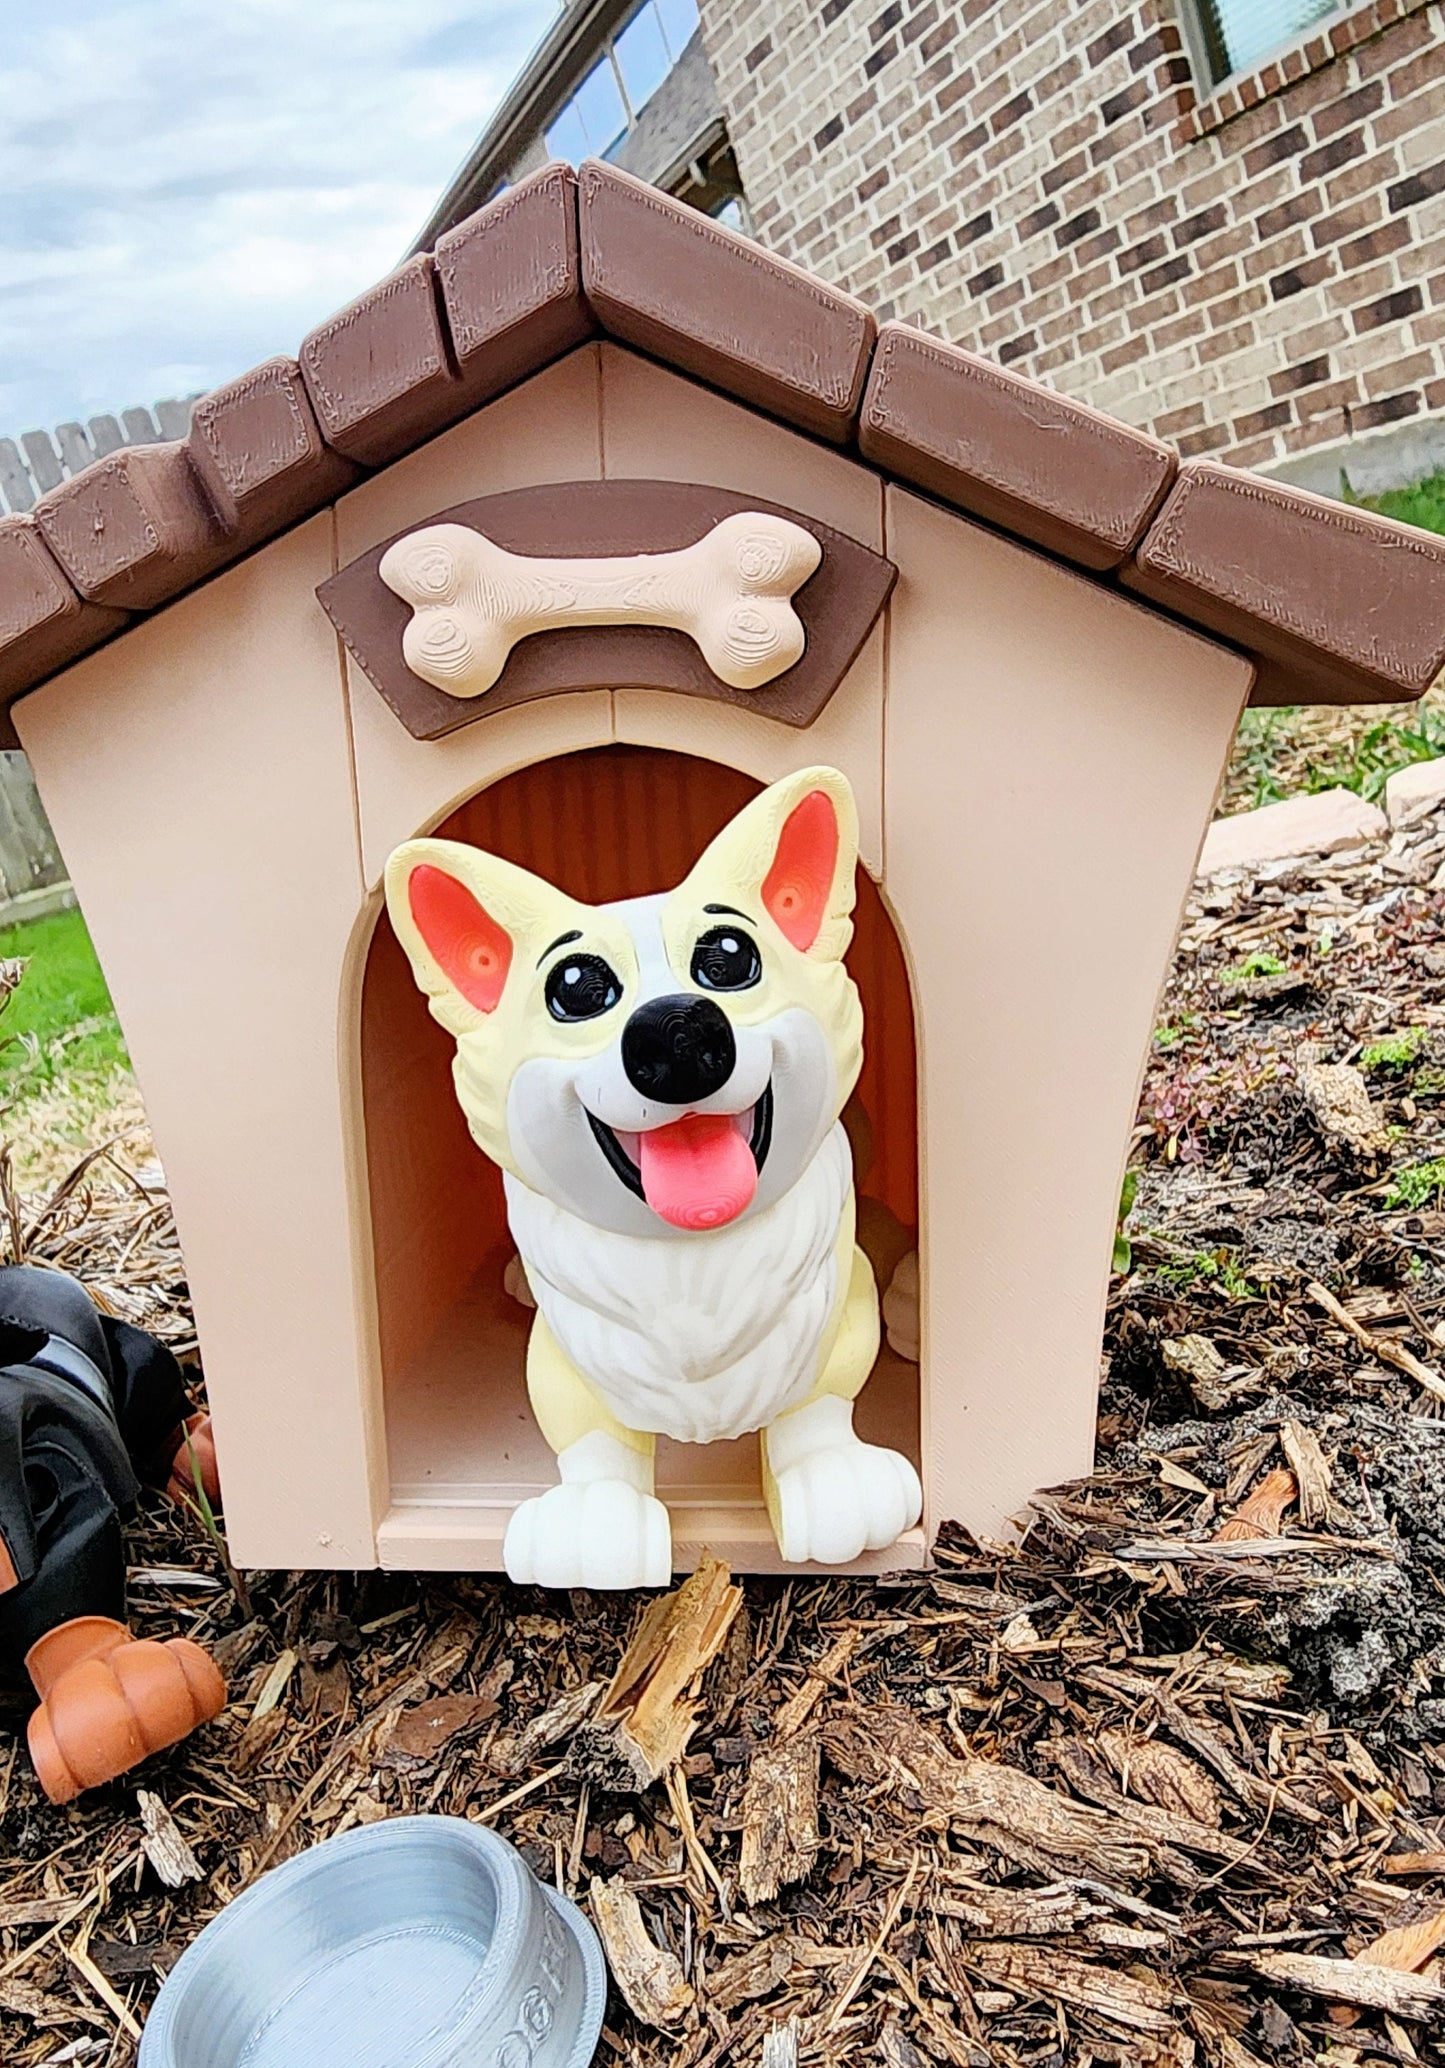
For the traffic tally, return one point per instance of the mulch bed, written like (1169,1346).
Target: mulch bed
(1143,1788)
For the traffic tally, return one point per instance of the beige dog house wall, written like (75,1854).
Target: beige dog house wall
(1028,643)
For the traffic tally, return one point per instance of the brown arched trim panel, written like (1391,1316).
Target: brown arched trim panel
(582,519)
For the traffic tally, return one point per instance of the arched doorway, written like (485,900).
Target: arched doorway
(604,823)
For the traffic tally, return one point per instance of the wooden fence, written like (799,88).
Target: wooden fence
(41,460)
(33,878)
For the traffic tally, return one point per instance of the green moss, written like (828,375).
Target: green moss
(1420,1185)
(1258,964)
(1219,1267)
(1395,1052)
(60,1021)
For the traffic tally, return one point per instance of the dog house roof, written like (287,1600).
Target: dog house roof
(1335,604)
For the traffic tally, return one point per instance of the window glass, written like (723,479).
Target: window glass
(1238,34)
(567,138)
(679,24)
(598,102)
(642,56)
(731,213)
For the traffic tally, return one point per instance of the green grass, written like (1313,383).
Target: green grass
(60,1021)
(1396,1051)
(1364,763)
(1424,504)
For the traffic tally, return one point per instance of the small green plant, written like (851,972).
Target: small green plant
(1123,1260)
(1220,1267)
(1395,1052)
(1259,963)
(1267,747)
(1418,1185)
(205,1514)
(1172,1034)
(1429,1083)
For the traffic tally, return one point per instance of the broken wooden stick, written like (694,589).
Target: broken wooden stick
(1379,1347)
(644,1720)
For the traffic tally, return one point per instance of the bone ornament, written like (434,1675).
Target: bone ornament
(731,593)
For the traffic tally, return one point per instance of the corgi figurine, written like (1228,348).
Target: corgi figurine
(662,1082)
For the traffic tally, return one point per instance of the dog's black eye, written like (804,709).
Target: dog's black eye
(726,959)
(581,987)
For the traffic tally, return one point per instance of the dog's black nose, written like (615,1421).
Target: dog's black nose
(678,1050)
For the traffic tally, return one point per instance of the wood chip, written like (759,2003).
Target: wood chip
(1379,1346)
(1338,1101)
(552,1727)
(1155,1772)
(1352,1981)
(1407,1948)
(1002,1807)
(164,1846)
(795,1712)
(424,1732)
(1261,1514)
(780,2046)
(1140,2002)
(1008,1913)
(780,1818)
(649,1978)
(1312,1472)
(646,1717)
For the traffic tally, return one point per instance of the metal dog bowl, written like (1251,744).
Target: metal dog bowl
(423,1942)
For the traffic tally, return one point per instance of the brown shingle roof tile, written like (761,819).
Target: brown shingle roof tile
(44,624)
(135,529)
(1020,455)
(380,374)
(684,289)
(1341,606)
(259,454)
(511,283)
(1334,604)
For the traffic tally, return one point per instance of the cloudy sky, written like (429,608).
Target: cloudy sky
(187,186)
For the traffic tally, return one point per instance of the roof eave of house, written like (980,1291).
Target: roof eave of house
(565,49)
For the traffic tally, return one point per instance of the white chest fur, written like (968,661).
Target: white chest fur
(699,1337)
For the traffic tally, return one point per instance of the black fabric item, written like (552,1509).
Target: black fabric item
(151,1401)
(71,1464)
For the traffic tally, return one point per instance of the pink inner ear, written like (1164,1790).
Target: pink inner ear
(473,951)
(796,888)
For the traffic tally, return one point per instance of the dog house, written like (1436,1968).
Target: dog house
(1028,640)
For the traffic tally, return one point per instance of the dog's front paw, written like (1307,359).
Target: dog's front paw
(834,1497)
(601,1533)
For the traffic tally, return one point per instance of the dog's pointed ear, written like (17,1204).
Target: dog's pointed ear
(793,851)
(467,920)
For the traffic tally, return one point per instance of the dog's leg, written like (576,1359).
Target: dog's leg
(602,1527)
(831,1496)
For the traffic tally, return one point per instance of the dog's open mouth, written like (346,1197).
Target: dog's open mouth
(698,1172)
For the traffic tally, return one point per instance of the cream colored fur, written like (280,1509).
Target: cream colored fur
(704,1340)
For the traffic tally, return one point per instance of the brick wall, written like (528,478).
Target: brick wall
(1254,275)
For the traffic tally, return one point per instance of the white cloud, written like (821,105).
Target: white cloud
(186,188)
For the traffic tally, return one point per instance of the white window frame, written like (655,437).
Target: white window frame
(609,53)
(1206,85)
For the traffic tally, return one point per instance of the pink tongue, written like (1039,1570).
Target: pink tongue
(697,1172)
